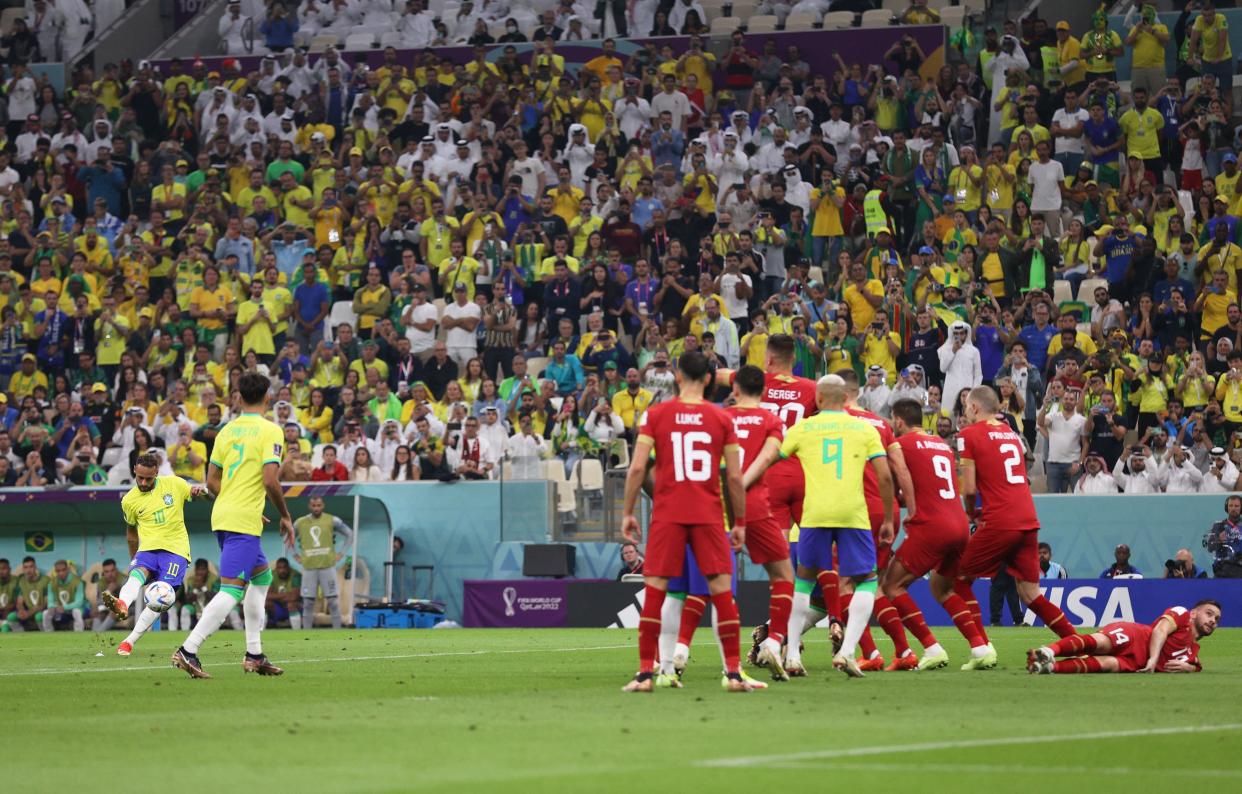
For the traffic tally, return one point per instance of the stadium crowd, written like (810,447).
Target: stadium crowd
(450,265)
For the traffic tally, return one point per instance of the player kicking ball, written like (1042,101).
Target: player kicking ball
(1170,645)
(834,449)
(245,466)
(159,545)
(690,437)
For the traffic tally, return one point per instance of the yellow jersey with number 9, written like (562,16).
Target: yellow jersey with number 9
(159,515)
(834,449)
(243,447)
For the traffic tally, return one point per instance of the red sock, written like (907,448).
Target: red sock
(1073,645)
(830,583)
(691,614)
(1079,664)
(963,619)
(912,617)
(728,624)
(963,589)
(780,604)
(649,628)
(865,643)
(888,618)
(1052,616)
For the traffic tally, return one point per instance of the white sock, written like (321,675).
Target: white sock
(235,621)
(79,620)
(255,612)
(797,624)
(724,667)
(813,616)
(130,590)
(144,621)
(859,615)
(47,620)
(295,620)
(933,649)
(186,617)
(174,624)
(213,616)
(670,624)
(980,651)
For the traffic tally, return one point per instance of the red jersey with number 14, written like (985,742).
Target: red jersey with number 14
(995,451)
(690,441)
(933,469)
(754,426)
(791,398)
(1181,642)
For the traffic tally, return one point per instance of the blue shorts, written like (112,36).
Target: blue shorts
(692,581)
(855,550)
(818,592)
(168,567)
(279,611)
(239,555)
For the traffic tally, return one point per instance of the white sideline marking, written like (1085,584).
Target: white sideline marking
(994,769)
(855,752)
(295,662)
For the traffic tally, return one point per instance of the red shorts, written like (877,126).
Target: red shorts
(1192,180)
(1130,643)
(883,553)
(932,550)
(765,542)
(988,549)
(785,493)
(666,548)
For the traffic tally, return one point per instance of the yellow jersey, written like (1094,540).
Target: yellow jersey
(834,449)
(242,449)
(159,515)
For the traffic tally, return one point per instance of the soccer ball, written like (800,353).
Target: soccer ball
(160,596)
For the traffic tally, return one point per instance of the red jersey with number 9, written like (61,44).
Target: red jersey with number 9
(1180,643)
(754,426)
(933,469)
(791,398)
(690,441)
(995,451)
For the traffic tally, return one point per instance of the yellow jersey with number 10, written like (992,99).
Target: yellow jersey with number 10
(243,447)
(834,449)
(159,515)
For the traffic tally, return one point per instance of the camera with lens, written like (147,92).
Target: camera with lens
(1176,569)
(1225,561)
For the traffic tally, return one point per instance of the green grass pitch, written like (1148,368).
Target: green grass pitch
(541,710)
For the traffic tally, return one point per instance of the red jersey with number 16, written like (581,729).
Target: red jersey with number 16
(791,398)
(690,441)
(754,426)
(995,451)
(933,469)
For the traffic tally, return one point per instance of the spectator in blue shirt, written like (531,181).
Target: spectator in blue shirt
(645,203)
(103,181)
(289,249)
(667,143)
(278,28)
(1117,250)
(1049,569)
(311,304)
(1163,289)
(1121,565)
(67,428)
(514,208)
(1104,136)
(1038,335)
(233,243)
(564,370)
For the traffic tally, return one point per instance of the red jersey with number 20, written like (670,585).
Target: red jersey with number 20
(690,441)
(1181,643)
(791,398)
(1000,475)
(933,469)
(754,426)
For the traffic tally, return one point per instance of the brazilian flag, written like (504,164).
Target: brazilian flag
(40,541)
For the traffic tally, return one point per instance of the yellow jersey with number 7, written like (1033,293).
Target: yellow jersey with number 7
(243,447)
(834,449)
(159,515)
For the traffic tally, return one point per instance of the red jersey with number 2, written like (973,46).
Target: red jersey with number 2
(1181,643)
(791,398)
(995,450)
(933,469)
(871,485)
(690,440)
(754,426)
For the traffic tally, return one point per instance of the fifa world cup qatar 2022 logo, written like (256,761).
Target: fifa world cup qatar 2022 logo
(509,594)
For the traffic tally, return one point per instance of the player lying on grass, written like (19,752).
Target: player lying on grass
(1169,645)
(159,544)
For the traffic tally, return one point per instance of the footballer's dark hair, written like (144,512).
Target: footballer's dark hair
(253,387)
(147,460)
(781,347)
(749,380)
(1209,602)
(693,366)
(909,411)
(850,377)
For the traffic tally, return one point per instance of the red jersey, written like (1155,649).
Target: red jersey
(933,469)
(791,398)
(690,441)
(871,486)
(754,426)
(1000,475)
(1181,642)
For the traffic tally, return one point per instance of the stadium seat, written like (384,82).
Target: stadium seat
(954,16)
(588,475)
(554,470)
(761,23)
(342,312)
(7,16)
(837,20)
(391,39)
(323,41)
(1061,291)
(119,476)
(744,9)
(815,273)
(877,18)
(359,41)
(536,365)
(801,21)
(110,458)
(724,26)
(896,6)
(1087,289)
(621,449)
